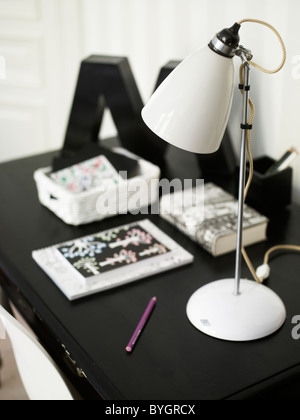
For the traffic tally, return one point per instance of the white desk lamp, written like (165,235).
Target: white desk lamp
(190,110)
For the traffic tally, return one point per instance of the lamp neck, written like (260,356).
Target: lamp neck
(226,42)
(244,54)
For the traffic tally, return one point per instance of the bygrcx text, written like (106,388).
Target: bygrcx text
(152,409)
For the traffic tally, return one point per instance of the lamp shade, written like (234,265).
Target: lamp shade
(191,108)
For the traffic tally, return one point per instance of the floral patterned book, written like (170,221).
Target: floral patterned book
(212,222)
(110,258)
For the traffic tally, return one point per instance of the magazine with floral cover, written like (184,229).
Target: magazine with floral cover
(95,172)
(111,258)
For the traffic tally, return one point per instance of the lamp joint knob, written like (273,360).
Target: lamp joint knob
(245,54)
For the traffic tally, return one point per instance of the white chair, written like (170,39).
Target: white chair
(39,375)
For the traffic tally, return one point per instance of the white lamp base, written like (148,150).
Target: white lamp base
(255,313)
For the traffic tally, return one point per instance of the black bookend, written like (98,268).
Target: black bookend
(105,81)
(221,163)
(165,71)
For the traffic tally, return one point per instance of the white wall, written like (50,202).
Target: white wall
(39,52)
(152,32)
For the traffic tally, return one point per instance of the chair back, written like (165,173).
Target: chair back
(41,378)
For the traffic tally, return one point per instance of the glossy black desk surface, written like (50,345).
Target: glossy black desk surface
(172,360)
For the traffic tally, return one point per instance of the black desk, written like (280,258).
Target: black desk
(172,359)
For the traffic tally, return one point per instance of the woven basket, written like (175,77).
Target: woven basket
(95,204)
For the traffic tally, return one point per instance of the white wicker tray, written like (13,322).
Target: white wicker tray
(86,207)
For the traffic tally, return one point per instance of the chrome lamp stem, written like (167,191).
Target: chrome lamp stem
(242,177)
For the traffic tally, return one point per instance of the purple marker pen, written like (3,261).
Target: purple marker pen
(141,324)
